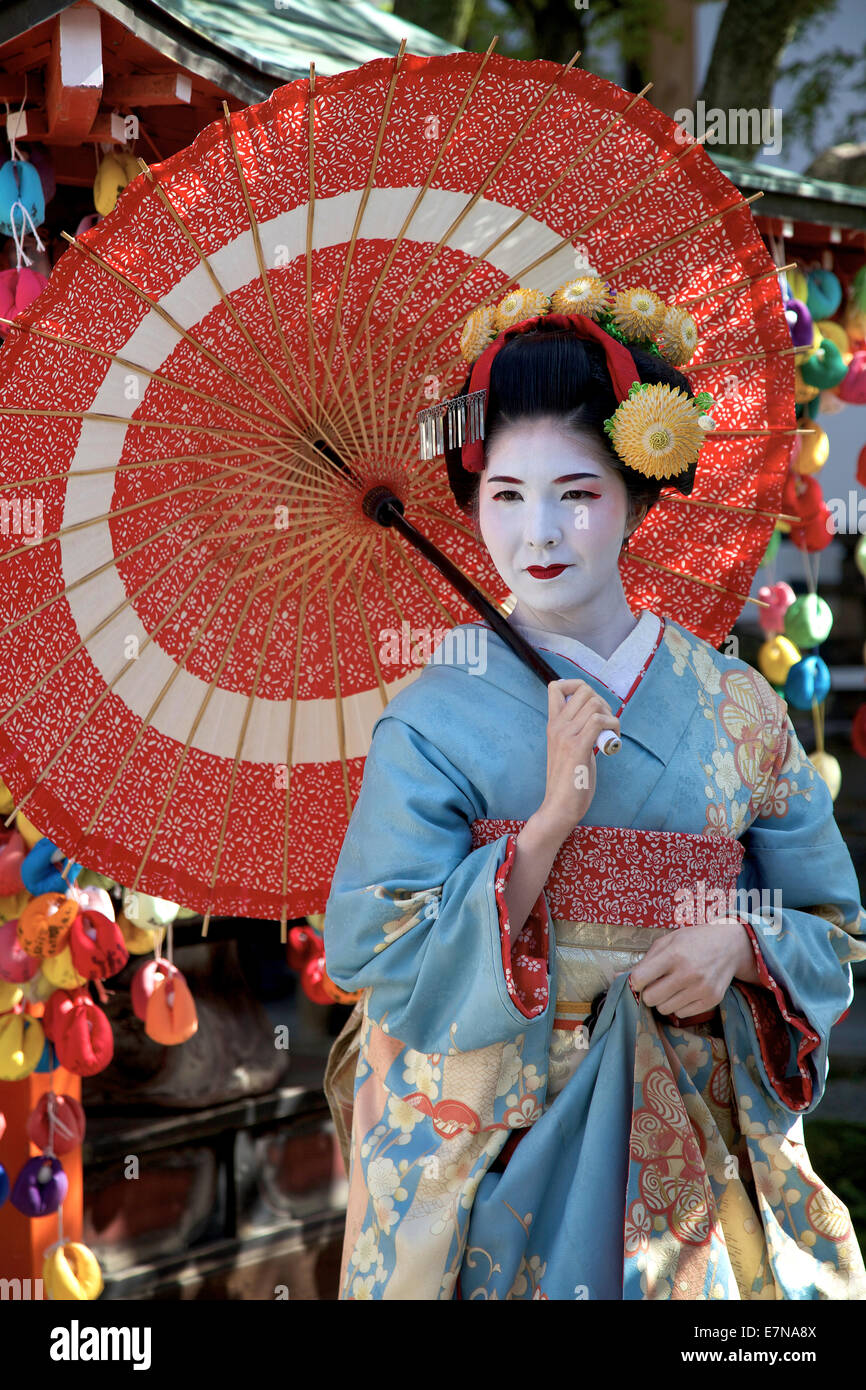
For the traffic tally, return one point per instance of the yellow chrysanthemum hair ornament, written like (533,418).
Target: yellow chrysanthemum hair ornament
(656,429)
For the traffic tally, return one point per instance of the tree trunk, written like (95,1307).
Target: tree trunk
(450,19)
(744,65)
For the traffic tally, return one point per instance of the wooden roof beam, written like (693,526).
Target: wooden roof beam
(158,89)
(14,88)
(74,74)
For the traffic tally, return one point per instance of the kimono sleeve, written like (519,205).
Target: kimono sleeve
(414,913)
(806,924)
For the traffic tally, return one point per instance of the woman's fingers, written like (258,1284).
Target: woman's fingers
(653,965)
(683,1003)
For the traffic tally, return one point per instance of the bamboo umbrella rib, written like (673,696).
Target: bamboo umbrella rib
(311,204)
(365,194)
(244,329)
(453,522)
(111,564)
(401,554)
(554,250)
(338,702)
(331,480)
(312,338)
(168,318)
(428,471)
(328,540)
(328,475)
(433,344)
(456,526)
(328,564)
(467,207)
(350,375)
(129,421)
(361,547)
(736,284)
(758,355)
(430,591)
(580,231)
(371,387)
(380,680)
(238,574)
(130,466)
(90,713)
(484,255)
(708,583)
(317,410)
(638,187)
(290,751)
(681,235)
(431,594)
(419,197)
(383,577)
(128,602)
(325,562)
(76,526)
(163,377)
(226,550)
(512,227)
(398,413)
(179,763)
(256,682)
(456,360)
(367,552)
(736,434)
(725,506)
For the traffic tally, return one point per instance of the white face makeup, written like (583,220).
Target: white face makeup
(547,499)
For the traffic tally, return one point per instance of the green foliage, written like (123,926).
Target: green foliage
(614,38)
(820,79)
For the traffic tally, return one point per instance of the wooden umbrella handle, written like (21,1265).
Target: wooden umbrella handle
(382,506)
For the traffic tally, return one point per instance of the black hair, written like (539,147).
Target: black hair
(550,371)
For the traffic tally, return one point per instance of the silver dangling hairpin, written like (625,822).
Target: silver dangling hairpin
(462,417)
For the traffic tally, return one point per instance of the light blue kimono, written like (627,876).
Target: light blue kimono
(670,1163)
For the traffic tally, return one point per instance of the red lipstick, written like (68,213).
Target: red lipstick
(546,571)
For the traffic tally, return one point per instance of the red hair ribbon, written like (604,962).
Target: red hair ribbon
(620,364)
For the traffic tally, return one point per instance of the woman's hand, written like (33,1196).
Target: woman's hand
(688,970)
(576,716)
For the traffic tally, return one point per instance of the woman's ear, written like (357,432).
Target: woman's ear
(636,516)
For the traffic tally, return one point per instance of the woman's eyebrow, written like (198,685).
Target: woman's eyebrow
(566,478)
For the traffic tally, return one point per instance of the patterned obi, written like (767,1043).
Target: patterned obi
(611,892)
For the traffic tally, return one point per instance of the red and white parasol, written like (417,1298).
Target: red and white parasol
(196,645)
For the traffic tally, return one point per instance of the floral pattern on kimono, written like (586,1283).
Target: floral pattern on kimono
(669,1163)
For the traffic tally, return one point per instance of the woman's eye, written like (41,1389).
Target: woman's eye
(574,492)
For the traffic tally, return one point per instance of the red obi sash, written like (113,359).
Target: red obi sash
(629,877)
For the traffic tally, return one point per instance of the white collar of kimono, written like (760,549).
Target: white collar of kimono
(620,669)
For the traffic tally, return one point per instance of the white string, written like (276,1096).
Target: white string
(13,144)
(20,253)
(810,582)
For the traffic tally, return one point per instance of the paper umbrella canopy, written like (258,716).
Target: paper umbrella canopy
(199,619)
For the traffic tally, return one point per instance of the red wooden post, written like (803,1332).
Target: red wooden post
(23,1239)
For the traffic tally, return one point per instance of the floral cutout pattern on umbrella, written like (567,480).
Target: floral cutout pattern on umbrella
(198,642)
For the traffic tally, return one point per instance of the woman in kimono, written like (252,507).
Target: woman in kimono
(597,992)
